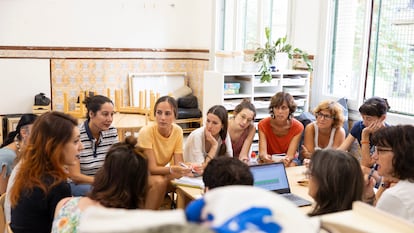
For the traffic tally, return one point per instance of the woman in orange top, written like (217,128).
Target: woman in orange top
(280,133)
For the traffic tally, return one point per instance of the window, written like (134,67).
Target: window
(242,22)
(371,52)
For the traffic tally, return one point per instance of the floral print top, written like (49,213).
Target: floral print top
(67,220)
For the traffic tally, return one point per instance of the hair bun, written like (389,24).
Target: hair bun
(131,140)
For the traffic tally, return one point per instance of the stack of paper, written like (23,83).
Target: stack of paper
(196,182)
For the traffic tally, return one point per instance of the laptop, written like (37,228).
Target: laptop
(272,176)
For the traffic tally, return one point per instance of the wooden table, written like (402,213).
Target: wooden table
(127,124)
(186,194)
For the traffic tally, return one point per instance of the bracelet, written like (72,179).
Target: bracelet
(171,171)
(364,142)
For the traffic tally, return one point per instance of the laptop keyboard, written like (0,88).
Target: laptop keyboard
(297,200)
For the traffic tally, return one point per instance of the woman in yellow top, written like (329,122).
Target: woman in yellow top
(162,143)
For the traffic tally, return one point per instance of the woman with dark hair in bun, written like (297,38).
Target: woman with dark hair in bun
(97,136)
(12,146)
(120,183)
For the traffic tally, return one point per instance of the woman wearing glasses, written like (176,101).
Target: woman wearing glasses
(241,129)
(393,153)
(327,131)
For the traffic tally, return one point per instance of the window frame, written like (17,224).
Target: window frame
(323,66)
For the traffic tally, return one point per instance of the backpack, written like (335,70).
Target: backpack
(41,99)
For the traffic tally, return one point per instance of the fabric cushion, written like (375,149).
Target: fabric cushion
(189,101)
(181,92)
(185,113)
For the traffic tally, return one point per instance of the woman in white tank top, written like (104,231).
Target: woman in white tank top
(327,131)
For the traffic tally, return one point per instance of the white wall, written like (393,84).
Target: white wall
(183,24)
(305,20)
(177,24)
(21,80)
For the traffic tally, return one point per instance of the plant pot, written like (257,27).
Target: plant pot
(281,61)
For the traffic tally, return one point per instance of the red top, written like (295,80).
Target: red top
(276,144)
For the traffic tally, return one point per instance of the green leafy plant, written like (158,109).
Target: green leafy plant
(266,55)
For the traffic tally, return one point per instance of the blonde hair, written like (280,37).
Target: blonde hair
(335,109)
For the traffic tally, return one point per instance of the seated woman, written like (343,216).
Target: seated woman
(97,136)
(210,141)
(12,147)
(162,143)
(41,181)
(281,132)
(327,131)
(242,130)
(373,112)
(394,147)
(335,181)
(120,183)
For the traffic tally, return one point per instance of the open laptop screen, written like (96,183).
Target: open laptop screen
(271,176)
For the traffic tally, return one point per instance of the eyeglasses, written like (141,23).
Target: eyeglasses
(321,115)
(381,149)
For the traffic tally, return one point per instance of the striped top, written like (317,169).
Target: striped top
(93,154)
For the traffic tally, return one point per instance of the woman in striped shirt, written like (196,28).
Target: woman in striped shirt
(97,136)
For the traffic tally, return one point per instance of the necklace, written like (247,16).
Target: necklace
(16,142)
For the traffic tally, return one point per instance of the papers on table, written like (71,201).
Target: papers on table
(195,182)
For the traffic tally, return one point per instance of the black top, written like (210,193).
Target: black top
(34,211)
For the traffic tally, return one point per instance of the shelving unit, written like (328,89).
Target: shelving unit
(295,82)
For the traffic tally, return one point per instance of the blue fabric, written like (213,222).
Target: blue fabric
(193,210)
(253,218)
(79,189)
(7,157)
(344,103)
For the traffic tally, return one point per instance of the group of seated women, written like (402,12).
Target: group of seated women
(137,174)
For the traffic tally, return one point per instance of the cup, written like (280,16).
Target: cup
(278,157)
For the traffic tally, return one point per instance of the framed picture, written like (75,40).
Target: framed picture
(12,123)
(159,83)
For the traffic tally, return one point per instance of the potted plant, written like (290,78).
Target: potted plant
(272,51)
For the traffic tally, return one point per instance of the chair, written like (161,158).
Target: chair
(2,216)
(127,131)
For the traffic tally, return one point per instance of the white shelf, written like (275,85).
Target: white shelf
(237,96)
(295,82)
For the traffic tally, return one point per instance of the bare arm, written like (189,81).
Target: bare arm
(263,148)
(366,159)
(308,146)
(244,153)
(347,143)
(213,149)
(76,176)
(291,152)
(339,137)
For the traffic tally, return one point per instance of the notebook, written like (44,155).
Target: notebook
(272,176)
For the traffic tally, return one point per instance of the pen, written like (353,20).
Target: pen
(185,166)
(374,167)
